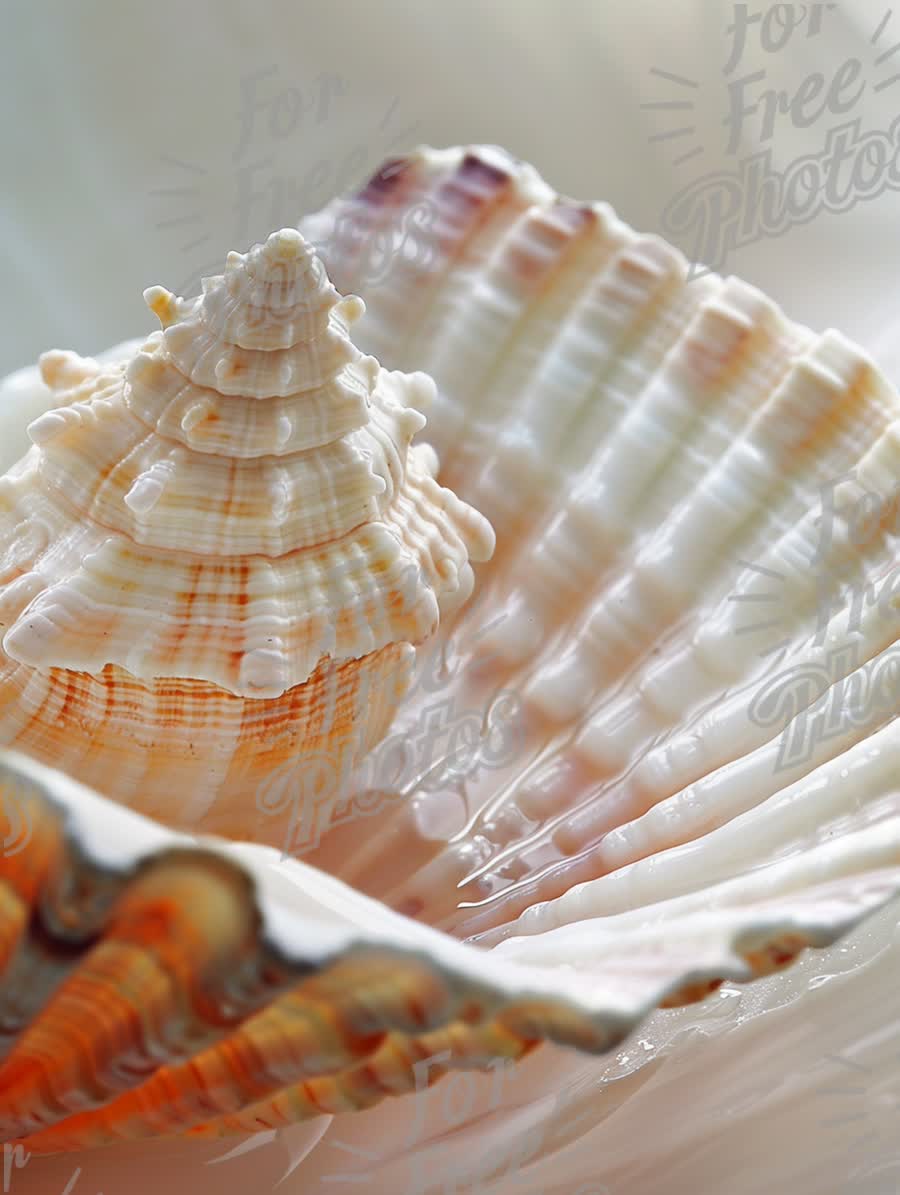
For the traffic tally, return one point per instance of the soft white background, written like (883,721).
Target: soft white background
(108,105)
(98,97)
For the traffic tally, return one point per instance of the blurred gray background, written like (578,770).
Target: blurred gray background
(141,142)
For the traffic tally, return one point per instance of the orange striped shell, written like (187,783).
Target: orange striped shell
(218,553)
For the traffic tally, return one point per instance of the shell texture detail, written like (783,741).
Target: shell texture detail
(218,553)
(693,607)
(231,993)
(657,750)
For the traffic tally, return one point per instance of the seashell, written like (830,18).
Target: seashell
(674,780)
(681,605)
(218,554)
(229,992)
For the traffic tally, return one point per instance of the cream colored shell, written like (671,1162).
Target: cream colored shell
(685,649)
(674,784)
(217,554)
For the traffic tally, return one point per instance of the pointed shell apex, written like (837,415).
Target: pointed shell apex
(287,244)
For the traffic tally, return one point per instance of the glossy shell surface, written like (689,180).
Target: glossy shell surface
(218,553)
(657,749)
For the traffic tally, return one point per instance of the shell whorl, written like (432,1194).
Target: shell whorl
(250,464)
(217,554)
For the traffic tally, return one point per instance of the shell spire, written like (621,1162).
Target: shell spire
(237,507)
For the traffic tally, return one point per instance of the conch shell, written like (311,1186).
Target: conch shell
(218,553)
